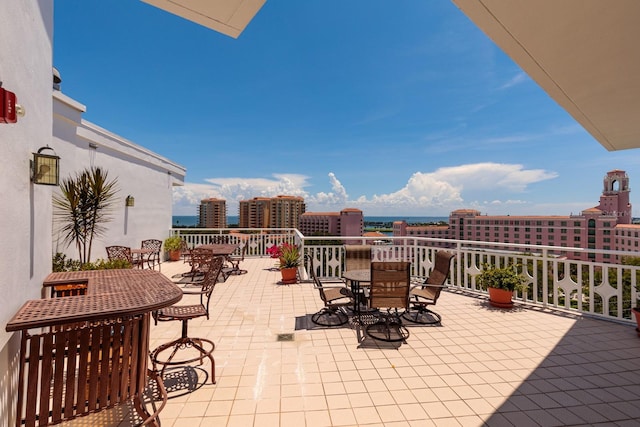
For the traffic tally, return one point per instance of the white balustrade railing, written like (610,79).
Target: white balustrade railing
(599,289)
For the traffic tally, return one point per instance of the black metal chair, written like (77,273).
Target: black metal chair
(184,313)
(335,296)
(389,292)
(427,293)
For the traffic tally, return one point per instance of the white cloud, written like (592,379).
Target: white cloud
(492,176)
(425,193)
(519,78)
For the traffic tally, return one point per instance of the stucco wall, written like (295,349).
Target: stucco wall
(25,209)
(26,220)
(145,175)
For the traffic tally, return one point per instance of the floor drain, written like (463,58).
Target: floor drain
(285,337)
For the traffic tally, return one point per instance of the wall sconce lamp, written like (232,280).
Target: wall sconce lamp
(45,168)
(130,201)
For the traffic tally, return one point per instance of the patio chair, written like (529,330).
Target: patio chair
(428,292)
(184,313)
(153,258)
(357,257)
(185,251)
(389,292)
(122,253)
(199,261)
(235,260)
(334,294)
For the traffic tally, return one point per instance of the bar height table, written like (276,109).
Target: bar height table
(91,351)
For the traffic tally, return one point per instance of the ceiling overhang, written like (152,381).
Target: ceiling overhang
(583,53)
(229,17)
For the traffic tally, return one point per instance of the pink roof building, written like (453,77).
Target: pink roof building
(606,226)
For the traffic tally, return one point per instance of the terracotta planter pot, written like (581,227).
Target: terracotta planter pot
(289,275)
(174,255)
(500,298)
(637,314)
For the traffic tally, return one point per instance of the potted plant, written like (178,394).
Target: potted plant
(289,263)
(636,312)
(500,282)
(173,244)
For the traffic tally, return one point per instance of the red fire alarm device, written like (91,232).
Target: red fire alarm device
(8,112)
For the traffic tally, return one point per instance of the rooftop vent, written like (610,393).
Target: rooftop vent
(56,79)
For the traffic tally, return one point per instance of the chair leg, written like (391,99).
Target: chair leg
(389,328)
(329,314)
(421,314)
(184,342)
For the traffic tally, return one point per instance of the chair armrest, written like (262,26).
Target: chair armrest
(193,292)
(427,285)
(330,286)
(331,279)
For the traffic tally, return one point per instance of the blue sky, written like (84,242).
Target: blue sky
(404,110)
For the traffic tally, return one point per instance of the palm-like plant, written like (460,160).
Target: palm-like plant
(83,207)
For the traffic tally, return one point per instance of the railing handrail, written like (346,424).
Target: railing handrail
(589,287)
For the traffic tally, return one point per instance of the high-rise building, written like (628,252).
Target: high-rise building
(254,213)
(606,226)
(212,213)
(271,212)
(347,222)
(286,211)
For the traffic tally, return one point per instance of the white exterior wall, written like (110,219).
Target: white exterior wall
(26,31)
(26,215)
(146,176)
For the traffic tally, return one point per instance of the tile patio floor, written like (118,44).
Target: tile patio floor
(483,366)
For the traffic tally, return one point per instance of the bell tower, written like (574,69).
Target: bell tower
(615,196)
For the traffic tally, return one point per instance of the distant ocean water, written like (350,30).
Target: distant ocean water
(190,221)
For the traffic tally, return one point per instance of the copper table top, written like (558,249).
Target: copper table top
(110,294)
(220,248)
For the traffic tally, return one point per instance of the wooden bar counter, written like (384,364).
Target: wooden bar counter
(88,352)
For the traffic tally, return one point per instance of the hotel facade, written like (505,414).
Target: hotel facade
(271,212)
(607,226)
(212,213)
(347,222)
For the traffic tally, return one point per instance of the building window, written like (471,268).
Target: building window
(576,238)
(563,231)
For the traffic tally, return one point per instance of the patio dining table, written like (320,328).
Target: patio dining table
(356,278)
(217,249)
(85,353)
